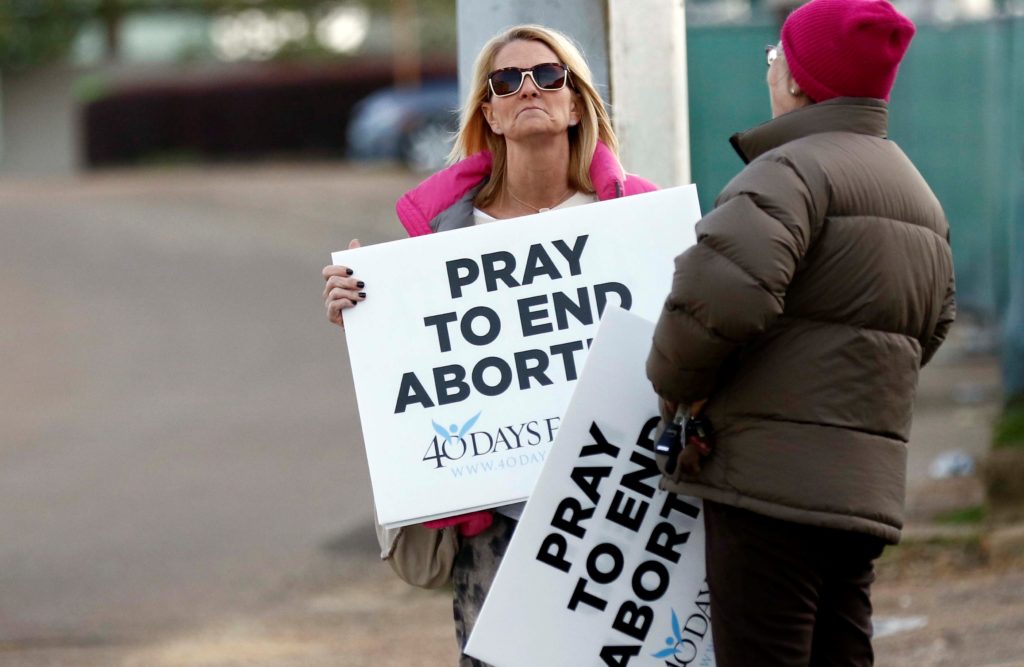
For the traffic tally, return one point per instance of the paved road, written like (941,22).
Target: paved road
(175,410)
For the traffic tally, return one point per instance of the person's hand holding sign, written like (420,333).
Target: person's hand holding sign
(343,290)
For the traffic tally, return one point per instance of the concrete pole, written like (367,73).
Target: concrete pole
(636,50)
(649,92)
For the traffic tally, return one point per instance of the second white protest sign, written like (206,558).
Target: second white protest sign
(604,567)
(466,350)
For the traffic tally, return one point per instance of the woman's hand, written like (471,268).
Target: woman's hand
(688,461)
(342,290)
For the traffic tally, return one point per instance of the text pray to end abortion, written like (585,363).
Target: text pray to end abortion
(537,315)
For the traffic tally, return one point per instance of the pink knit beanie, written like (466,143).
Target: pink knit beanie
(845,48)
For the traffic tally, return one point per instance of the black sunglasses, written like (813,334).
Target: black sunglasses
(508,80)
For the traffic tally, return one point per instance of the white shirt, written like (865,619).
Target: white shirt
(578,199)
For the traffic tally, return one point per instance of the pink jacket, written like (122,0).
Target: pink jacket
(445,200)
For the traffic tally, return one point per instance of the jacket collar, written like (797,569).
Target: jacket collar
(861,115)
(448,187)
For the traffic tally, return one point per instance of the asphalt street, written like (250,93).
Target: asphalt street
(178,436)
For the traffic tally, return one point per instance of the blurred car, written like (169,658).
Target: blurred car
(414,125)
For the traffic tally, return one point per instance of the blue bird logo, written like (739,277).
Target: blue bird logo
(674,641)
(455,432)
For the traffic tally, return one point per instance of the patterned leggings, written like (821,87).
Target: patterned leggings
(475,566)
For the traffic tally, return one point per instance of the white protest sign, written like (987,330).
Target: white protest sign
(465,352)
(604,568)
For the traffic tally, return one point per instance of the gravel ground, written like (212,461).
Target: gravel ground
(956,609)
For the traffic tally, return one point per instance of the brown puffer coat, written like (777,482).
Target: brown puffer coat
(820,283)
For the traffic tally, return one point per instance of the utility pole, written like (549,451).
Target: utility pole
(636,50)
(647,44)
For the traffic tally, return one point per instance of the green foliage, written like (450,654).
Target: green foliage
(1009,429)
(90,87)
(35,31)
(965,516)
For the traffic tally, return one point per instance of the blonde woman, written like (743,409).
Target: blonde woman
(534,137)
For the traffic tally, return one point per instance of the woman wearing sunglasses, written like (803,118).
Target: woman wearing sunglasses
(534,136)
(820,284)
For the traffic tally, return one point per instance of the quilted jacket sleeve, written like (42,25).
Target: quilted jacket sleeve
(946,317)
(731,285)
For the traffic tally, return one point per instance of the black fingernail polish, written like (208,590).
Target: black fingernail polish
(362,294)
(348,272)
(360,284)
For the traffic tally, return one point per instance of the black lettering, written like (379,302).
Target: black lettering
(696,625)
(504,376)
(618,656)
(492,274)
(442,321)
(566,350)
(646,438)
(411,391)
(618,561)
(589,479)
(552,552)
(659,570)
(686,653)
(573,255)
(501,439)
(448,378)
(552,429)
(634,481)
(704,600)
(527,315)
(535,372)
(602,291)
(601,444)
(674,503)
(580,309)
(664,539)
(539,263)
(490,442)
(461,272)
(581,595)
(516,434)
(493,325)
(623,513)
(633,620)
(531,428)
(569,515)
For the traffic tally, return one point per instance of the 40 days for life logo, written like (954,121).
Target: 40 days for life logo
(686,643)
(458,442)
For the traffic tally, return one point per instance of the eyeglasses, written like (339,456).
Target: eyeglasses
(771,52)
(508,80)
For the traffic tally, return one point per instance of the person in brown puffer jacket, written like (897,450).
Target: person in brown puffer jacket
(820,284)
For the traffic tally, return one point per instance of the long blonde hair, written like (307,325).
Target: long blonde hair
(475,134)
